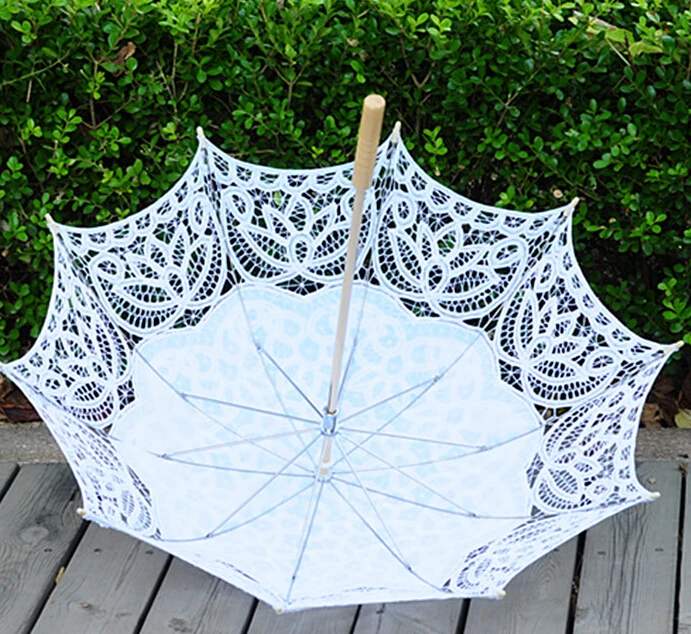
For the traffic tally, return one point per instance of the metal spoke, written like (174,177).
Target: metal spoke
(258,347)
(415,438)
(206,414)
(311,514)
(273,478)
(465,454)
(369,499)
(214,467)
(386,400)
(430,507)
(410,477)
(268,412)
(264,352)
(234,443)
(406,565)
(432,383)
(249,521)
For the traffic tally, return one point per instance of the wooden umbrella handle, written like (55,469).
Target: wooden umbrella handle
(368,140)
(365,159)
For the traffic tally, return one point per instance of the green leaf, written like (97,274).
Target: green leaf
(682,419)
(638,48)
(620,36)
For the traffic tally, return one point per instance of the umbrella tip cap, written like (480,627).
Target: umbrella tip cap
(396,132)
(81,512)
(52,225)
(201,137)
(674,347)
(655,495)
(501,594)
(571,206)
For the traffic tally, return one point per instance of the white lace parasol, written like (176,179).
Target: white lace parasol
(486,410)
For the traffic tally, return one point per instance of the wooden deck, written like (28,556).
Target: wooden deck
(629,575)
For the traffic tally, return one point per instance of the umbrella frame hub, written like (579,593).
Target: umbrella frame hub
(329,429)
(329,423)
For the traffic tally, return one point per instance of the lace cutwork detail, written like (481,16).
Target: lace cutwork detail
(507,279)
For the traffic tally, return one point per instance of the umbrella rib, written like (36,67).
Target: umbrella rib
(268,412)
(308,475)
(393,418)
(458,457)
(432,382)
(402,499)
(383,543)
(249,521)
(477,516)
(317,489)
(272,479)
(206,414)
(416,438)
(259,349)
(369,499)
(410,477)
(386,400)
(264,352)
(233,443)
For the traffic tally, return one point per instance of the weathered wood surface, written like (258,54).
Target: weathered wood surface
(627,583)
(537,601)
(38,529)
(684,590)
(418,617)
(113,584)
(320,621)
(7,472)
(191,600)
(107,586)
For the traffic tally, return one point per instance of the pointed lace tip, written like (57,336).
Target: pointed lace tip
(201,138)
(571,206)
(51,224)
(674,347)
(396,132)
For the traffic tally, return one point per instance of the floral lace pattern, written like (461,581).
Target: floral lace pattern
(510,278)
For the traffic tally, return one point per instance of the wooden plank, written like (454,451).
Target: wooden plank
(38,528)
(320,621)
(7,471)
(417,617)
(107,586)
(191,600)
(627,583)
(685,576)
(537,600)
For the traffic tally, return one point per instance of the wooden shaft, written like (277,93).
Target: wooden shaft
(368,141)
(346,294)
(365,158)
(326,456)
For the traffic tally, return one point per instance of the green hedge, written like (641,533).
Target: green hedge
(521,103)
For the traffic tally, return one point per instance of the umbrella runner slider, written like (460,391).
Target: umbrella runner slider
(365,158)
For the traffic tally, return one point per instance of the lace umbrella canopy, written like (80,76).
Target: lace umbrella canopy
(487,408)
